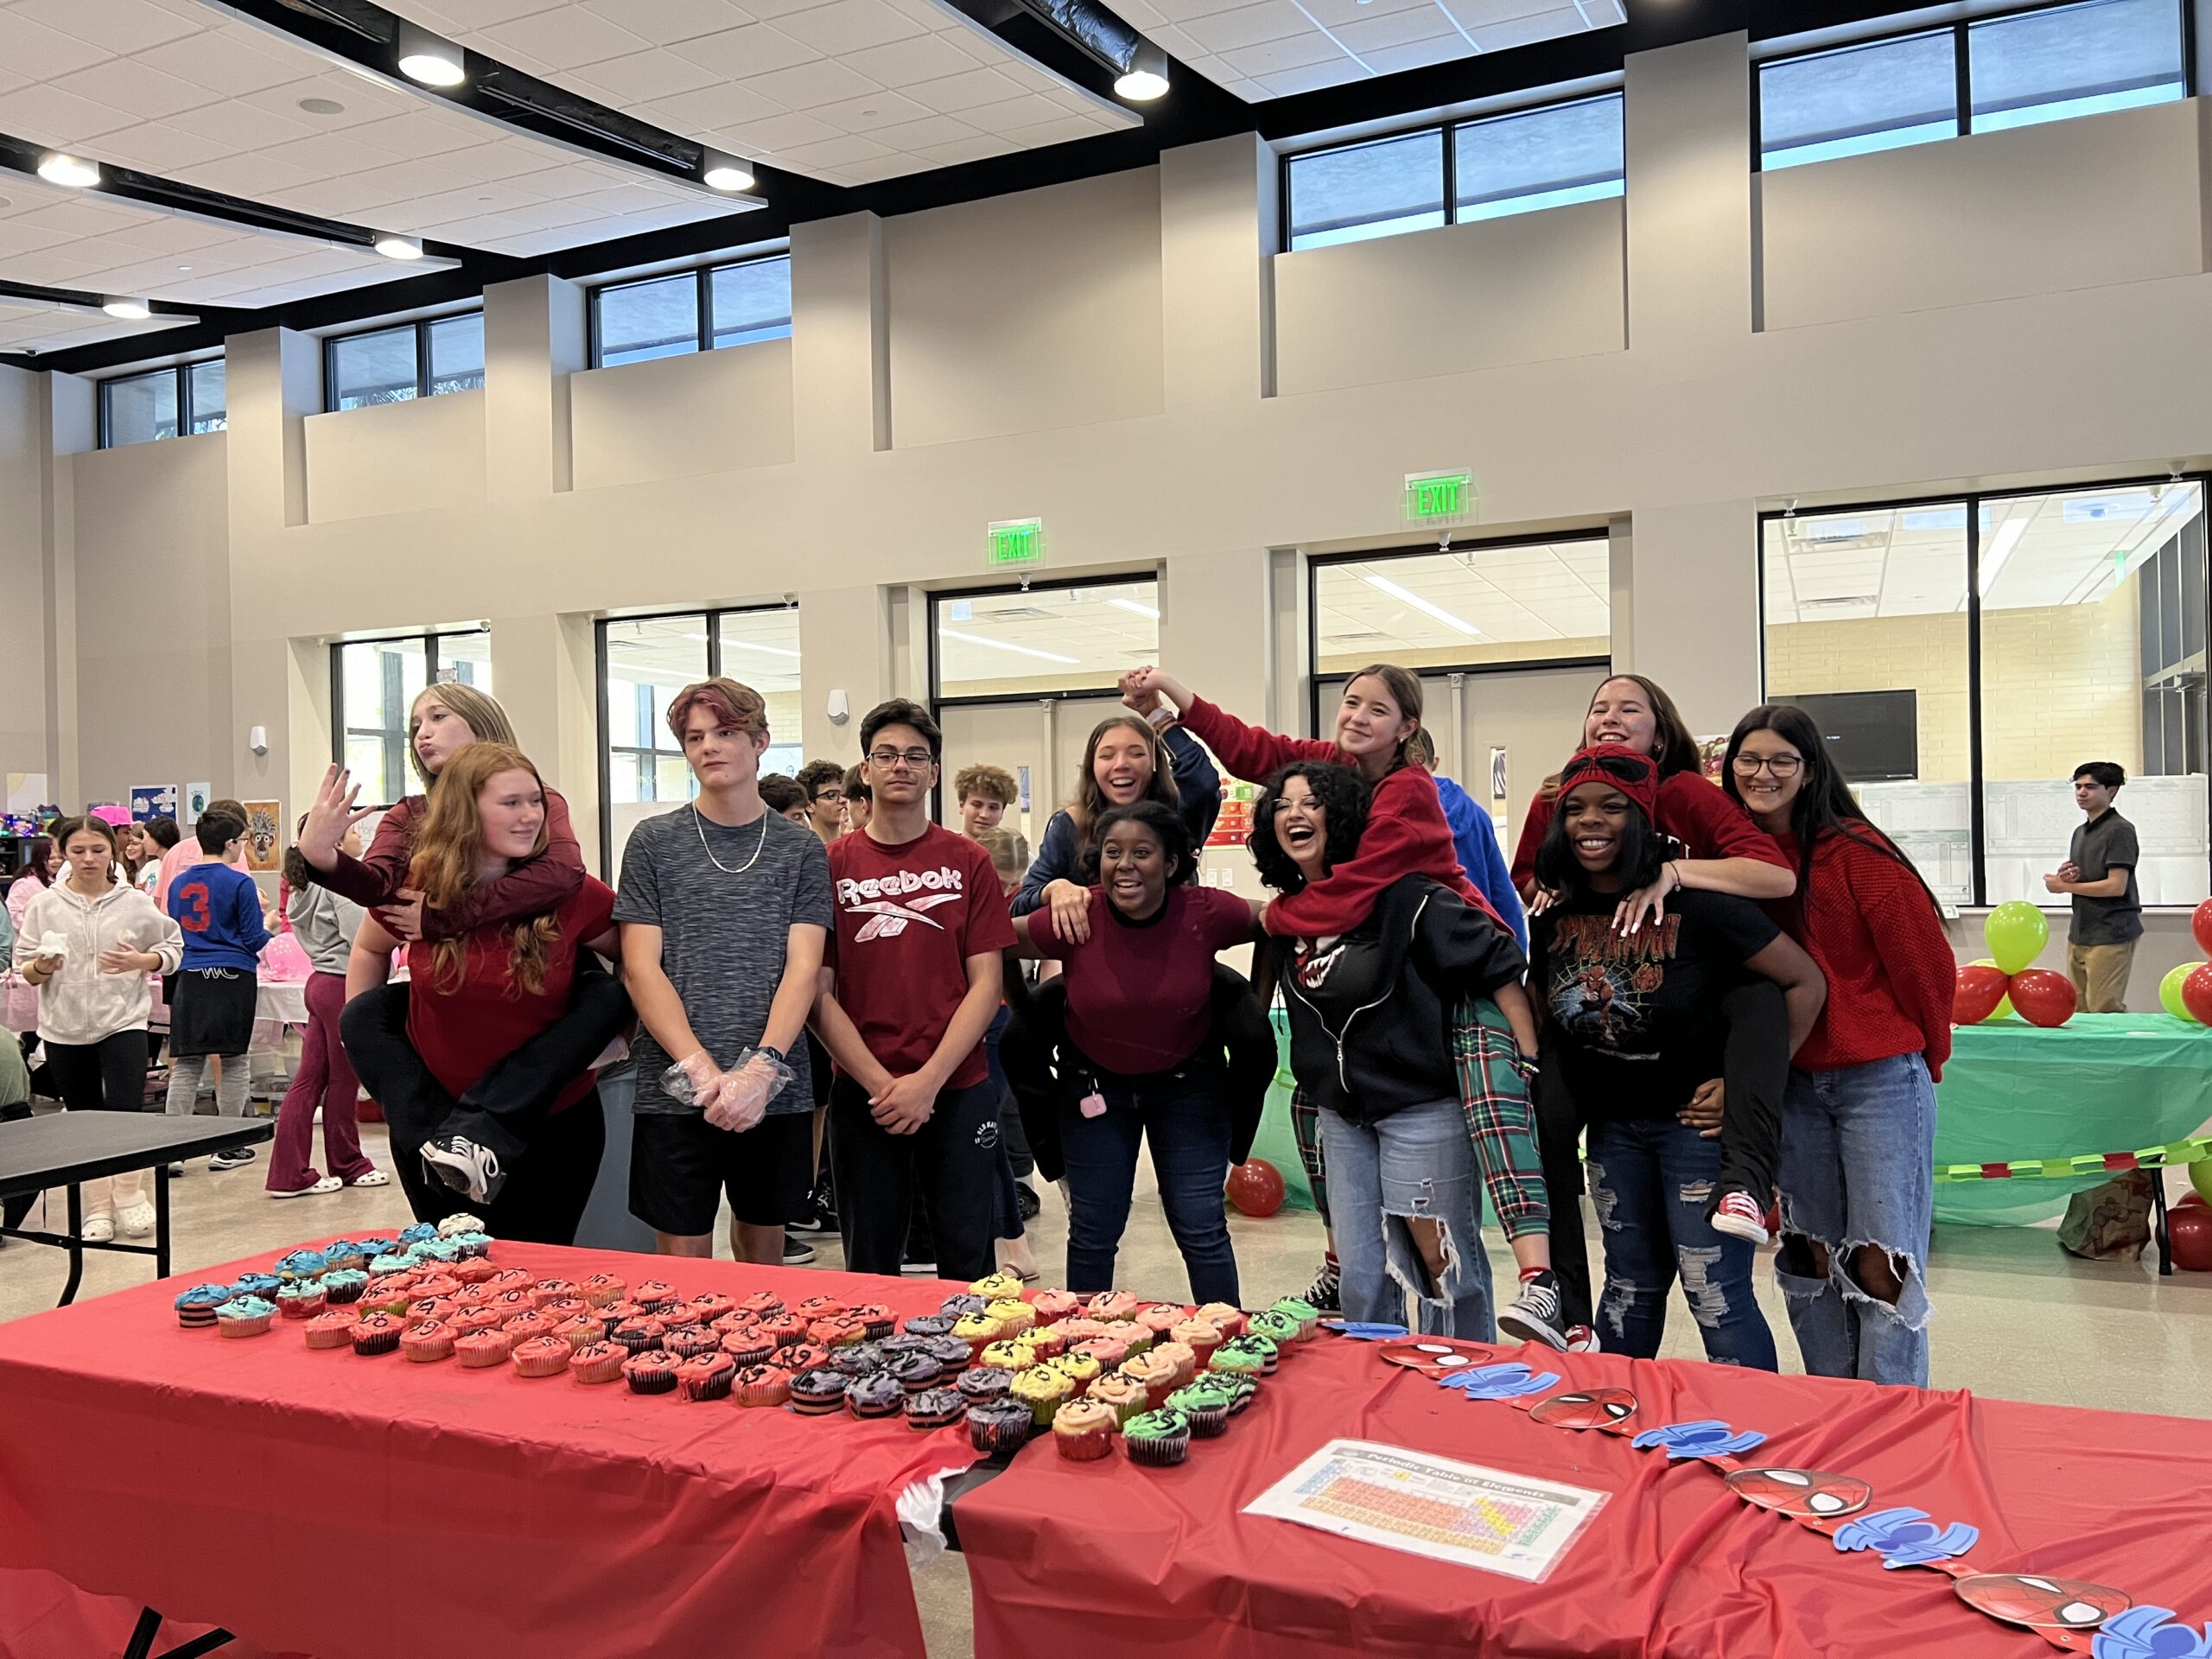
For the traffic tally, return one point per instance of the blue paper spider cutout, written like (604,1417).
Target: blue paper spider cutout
(1506,1382)
(1365,1333)
(1709,1438)
(1907,1538)
(2149,1633)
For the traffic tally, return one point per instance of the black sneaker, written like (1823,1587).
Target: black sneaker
(1025,1197)
(797,1251)
(1535,1315)
(467,1168)
(1325,1293)
(236,1158)
(818,1217)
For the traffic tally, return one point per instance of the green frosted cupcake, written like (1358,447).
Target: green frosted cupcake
(1207,1404)
(1160,1438)
(1278,1328)
(1241,1391)
(1238,1357)
(1305,1312)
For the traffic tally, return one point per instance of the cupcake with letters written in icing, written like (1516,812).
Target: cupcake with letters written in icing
(330,1329)
(935,1409)
(1124,1396)
(1008,1356)
(538,1356)
(1205,1404)
(427,1341)
(481,1350)
(1084,1431)
(598,1361)
(1044,1389)
(761,1385)
(705,1376)
(1158,1439)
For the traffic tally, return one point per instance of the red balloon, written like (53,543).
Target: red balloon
(2197,993)
(2188,1232)
(1257,1187)
(2041,997)
(2194,1201)
(2201,925)
(1979,990)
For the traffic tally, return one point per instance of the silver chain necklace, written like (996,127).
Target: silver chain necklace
(699,823)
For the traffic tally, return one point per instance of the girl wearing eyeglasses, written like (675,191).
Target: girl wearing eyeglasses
(1636,1025)
(1858,1117)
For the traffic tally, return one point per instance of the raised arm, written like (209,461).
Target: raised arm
(1197,786)
(1247,750)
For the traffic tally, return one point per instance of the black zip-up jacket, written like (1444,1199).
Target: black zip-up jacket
(1370,1015)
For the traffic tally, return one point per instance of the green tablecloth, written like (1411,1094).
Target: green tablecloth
(2100,1083)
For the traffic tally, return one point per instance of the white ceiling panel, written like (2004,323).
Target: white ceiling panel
(177,88)
(25,326)
(822,87)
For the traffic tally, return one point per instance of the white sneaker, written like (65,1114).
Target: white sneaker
(465,1166)
(97,1229)
(137,1219)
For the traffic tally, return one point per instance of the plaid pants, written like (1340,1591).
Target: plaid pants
(1494,1096)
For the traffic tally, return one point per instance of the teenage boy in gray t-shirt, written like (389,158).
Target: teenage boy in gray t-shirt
(2098,874)
(725,909)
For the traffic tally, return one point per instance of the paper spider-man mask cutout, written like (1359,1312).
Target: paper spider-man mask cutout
(2041,1602)
(1907,1538)
(1589,1408)
(2149,1633)
(1434,1357)
(1814,1494)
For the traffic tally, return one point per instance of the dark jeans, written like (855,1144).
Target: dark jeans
(109,1076)
(1014,1139)
(953,1158)
(1185,1115)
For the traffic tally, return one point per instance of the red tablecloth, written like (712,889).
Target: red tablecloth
(321,1501)
(1109,1558)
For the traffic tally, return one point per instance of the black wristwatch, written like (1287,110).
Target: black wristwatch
(772,1053)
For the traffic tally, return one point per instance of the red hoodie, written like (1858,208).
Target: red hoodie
(536,888)
(1407,834)
(1696,813)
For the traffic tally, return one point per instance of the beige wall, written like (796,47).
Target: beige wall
(1106,354)
(674,416)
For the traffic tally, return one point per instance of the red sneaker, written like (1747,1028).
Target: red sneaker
(1740,1216)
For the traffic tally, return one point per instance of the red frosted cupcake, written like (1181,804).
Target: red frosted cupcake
(1081,1328)
(707,1307)
(639,1335)
(511,1279)
(565,1308)
(761,1303)
(602,1288)
(1179,1355)
(691,1341)
(1111,1306)
(1137,1337)
(475,1271)
(736,1319)
(876,1320)
(1084,1431)
(548,1290)
(542,1357)
(583,1329)
(513,1303)
(1106,1351)
(597,1362)
(481,1350)
(761,1385)
(837,1333)
(748,1348)
(619,1310)
(706,1377)
(802,1357)
(523,1327)
(427,1341)
(333,1328)
(783,1329)
(441,1283)
(1053,1305)
(1160,1318)
(376,1333)
(654,1295)
(650,1372)
(431,1307)
(470,1320)
(820,1308)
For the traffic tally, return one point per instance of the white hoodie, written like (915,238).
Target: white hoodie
(82,1003)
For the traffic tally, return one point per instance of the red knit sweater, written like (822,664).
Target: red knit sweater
(1704,817)
(1407,834)
(1889,969)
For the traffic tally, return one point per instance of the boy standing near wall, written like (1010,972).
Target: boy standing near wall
(217,908)
(2099,875)
(824,784)
(984,794)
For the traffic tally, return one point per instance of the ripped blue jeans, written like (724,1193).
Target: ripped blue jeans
(1416,1162)
(1858,1156)
(1650,1179)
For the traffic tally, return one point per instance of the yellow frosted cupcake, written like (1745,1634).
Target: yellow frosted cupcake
(1008,1356)
(1044,1389)
(978,1330)
(998,1287)
(1081,1369)
(1012,1312)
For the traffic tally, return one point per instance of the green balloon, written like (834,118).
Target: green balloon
(2016,933)
(2004,1008)
(2169,991)
(2200,1177)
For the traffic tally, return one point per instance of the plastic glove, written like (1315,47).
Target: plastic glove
(747,1089)
(691,1083)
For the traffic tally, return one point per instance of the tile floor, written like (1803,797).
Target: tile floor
(2016,1317)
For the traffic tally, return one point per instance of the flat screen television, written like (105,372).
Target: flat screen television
(1873,736)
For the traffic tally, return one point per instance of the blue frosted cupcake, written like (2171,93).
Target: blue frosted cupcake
(195,1309)
(343,1285)
(343,1253)
(302,1264)
(246,1316)
(417,1233)
(469,1246)
(374,1245)
(388,1262)
(263,1285)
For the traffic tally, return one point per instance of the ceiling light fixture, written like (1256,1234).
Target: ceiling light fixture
(424,57)
(322,106)
(125,309)
(2000,549)
(1138,606)
(57,169)
(726,173)
(1000,645)
(394,246)
(1423,605)
(754,645)
(1145,78)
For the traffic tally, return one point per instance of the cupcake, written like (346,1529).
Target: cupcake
(1232,1358)
(997,1287)
(1084,1431)
(195,1309)
(302,1299)
(705,1376)
(1053,1305)
(420,1232)
(301,1264)
(999,1424)
(801,1356)
(1157,1375)
(440,1283)
(597,1362)
(1160,1318)
(1137,1338)
(458,1222)
(1160,1438)
(474,1270)
(929,1325)
(1184,1361)
(430,1308)
(542,1357)
(653,1295)
(856,1358)
(899,1344)
(1044,1390)
(837,1333)
(984,1383)
(916,1372)
(1110,1306)
(692,1342)
(978,1330)
(761,1304)
(329,1330)
(935,1409)
(639,1335)
(1307,1316)
(602,1288)
(1008,1356)
(761,1385)
(820,1308)
(1281,1329)
(245,1316)
(342,1286)
(585,1330)
(470,1320)
(783,1329)
(877,1395)
(390,1261)
(372,1245)
(875,1319)
(1106,1351)
(818,1392)
(471,1247)
(427,1341)
(377,1333)
(748,1348)
(1043,1340)
(1241,1391)
(1081,1328)
(1082,1369)
(708,1305)
(1205,1405)
(550,1290)
(523,1327)
(650,1372)
(965,1302)
(341,1253)
(513,1303)
(481,1350)
(1011,1312)
(1258,1347)
(1122,1395)
(1201,1337)
(949,1351)
(263,1285)
(567,1307)
(511,1279)
(731,1321)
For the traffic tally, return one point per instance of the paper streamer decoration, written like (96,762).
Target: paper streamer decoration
(2193,1150)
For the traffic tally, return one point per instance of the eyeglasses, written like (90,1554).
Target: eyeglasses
(1782,765)
(889,757)
(830,794)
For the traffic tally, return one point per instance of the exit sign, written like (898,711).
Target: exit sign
(1439,498)
(1015,541)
